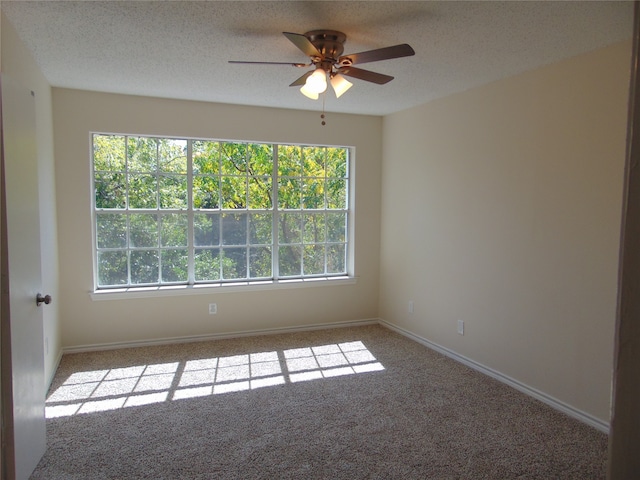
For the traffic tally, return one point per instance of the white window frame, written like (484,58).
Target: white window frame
(191,286)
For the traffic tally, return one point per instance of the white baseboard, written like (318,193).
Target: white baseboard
(49,380)
(216,336)
(537,394)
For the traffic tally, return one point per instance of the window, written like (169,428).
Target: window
(181,211)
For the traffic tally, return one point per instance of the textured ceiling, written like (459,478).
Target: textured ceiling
(180,49)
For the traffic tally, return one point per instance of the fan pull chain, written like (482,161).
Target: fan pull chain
(324,96)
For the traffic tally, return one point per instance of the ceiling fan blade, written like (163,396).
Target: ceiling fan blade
(387,53)
(301,81)
(273,63)
(365,75)
(303,44)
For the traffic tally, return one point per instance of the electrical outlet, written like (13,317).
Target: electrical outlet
(461,327)
(213,309)
(410,306)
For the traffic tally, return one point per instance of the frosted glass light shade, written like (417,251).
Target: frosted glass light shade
(317,81)
(340,84)
(308,93)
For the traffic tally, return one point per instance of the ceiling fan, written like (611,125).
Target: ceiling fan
(324,49)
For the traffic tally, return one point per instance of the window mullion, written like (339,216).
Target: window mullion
(324,214)
(247,251)
(275,249)
(159,213)
(191,276)
(127,205)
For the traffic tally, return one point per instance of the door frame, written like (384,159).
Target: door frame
(7,467)
(624,433)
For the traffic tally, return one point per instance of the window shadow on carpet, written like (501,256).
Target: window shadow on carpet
(116,388)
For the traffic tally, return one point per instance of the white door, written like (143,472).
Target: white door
(24,402)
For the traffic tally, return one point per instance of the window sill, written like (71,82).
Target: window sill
(212,289)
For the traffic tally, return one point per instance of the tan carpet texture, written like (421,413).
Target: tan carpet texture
(345,403)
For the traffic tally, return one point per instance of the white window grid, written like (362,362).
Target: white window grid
(189,212)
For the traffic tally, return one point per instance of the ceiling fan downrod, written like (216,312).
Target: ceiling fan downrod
(329,43)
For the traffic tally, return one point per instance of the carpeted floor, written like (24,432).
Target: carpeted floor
(346,403)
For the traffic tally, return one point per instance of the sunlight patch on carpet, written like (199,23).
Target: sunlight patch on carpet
(137,385)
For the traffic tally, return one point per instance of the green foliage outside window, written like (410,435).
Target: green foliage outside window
(182,211)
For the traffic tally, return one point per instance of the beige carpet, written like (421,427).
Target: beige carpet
(346,403)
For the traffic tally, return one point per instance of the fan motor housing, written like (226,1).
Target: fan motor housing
(330,43)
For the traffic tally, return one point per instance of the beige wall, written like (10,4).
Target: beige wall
(18,63)
(501,207)
(89,322)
